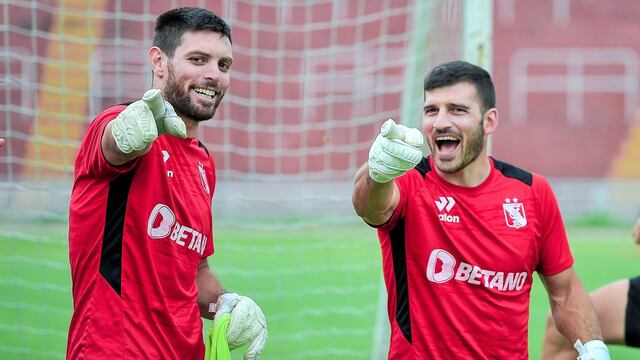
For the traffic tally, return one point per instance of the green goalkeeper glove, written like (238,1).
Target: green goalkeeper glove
(394,152)
(137,126)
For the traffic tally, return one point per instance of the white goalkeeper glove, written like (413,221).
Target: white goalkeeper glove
(248,324)
(394,152)
(137,126)
(592,350)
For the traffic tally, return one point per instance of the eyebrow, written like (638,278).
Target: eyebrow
(202,53)
(449,105)
(466,107)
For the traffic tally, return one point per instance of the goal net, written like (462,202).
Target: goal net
(312,82)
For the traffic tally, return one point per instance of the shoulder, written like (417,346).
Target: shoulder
(108,114)
(513,172)
(536,182)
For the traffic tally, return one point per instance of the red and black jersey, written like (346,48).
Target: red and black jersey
(458,262)
(137,233)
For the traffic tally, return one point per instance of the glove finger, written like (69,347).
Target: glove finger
(257,346)
(147,130)
(138,125)
(119,132)
(175,126)
(155,102)
(401,150)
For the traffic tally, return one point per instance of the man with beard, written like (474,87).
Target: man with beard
(140,221)
(461,233)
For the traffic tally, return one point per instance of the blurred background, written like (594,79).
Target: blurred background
(311,84)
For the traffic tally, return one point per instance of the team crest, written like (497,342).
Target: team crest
(203,177)
(514,213)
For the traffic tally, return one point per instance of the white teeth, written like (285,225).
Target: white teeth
(204,91)
(447,138)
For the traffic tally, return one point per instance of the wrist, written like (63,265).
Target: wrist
(592,350)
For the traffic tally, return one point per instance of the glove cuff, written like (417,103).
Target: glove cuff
(378,176)
(594,349)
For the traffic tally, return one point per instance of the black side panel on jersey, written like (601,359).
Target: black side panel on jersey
(398,251)
(111,256)
(423,166)
(514,172)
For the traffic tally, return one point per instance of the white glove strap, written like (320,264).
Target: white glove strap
(592,350)
(226,303)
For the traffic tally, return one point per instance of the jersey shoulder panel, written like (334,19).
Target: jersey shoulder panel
(423,166)
(514,172)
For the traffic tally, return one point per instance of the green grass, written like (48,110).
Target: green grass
(318,286)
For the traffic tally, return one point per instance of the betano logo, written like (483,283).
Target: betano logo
(446,203)
(162,223)
(442,268)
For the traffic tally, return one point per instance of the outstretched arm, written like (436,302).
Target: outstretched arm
(394,152)
(636,232)
(131,133)
(374,202)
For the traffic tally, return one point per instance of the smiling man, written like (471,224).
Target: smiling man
(140,220)
(461,233)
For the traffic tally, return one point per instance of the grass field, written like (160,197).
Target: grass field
(319,286)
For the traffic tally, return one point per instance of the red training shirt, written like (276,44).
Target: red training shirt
(458,262)
(137,233)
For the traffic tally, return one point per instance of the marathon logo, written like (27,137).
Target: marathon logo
(442,268)
(162,223)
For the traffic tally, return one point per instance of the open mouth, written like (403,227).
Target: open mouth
(205,93)
(447,145)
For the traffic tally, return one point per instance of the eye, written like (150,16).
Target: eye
(198,60)
(430,111)
(457,109)
(224,66)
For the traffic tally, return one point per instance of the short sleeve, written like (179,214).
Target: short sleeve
(90,160)
(407,184)
(554,251)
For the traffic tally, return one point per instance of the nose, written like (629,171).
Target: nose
(213,72)
(441,121)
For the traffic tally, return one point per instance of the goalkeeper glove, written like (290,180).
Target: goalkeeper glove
(592,350)
(248,324)
(394,152)
(137,126)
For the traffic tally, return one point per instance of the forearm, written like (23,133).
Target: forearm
(372,201)
(110,150)
(209,288)
(573,311)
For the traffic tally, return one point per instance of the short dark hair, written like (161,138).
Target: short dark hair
(455,72)
(171,25)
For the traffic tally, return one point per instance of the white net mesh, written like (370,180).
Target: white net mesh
(312,82)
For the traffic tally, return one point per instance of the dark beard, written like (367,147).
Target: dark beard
(182,103)
(472,150)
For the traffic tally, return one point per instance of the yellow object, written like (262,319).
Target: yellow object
(217,344)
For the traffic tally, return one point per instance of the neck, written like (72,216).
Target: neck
(472,175)
(192,127)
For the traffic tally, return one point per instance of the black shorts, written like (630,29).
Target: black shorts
(632,317)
